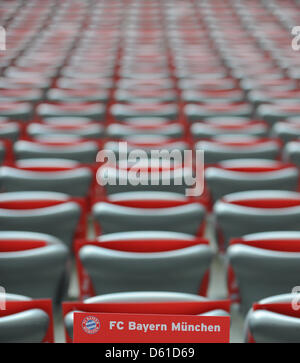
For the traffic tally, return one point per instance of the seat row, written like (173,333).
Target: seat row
(271,320)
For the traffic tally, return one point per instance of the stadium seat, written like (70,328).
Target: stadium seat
(287,131)
(238,175)
(136,211)
(52,175)
(263,264)
(291,152)
(247,212)
(94,111)
(122,111)
(238,147)
(27,326)
(44,212)
(124,130)
(208,130)
(181,265)
(22,254)
(85,131)
(199,112)
(273,320)
(80,150)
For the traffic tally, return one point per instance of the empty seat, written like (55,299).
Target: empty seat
(147,176)
(23,72)
(207,130)
(273,320)
(45,212)
(67,120)
(53,175)
(76,95)
(264,264)
(82,151)
(80,72)
(28,325)
(122,111)
(27,82)
(94,111)
(144,95)
(279,84)
(16,111)
(238,147)
(247,212)
(213,84)
(250,174)
(123,131)
(20,95)
(258,97)
(180,265)
(150,84)
(9,131)
(22,254)
(149,211)
(199,112)
(213,96)
(94,83)
(286,131)
(85,131)
(273,113)
(291,152)
(147,143)
(162,302)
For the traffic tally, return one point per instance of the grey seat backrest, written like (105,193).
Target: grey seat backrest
(198,96)
(196,112)
(114,146)
(286,131)
(291,152)
(117,131)
(18,269)
(120,111)
(74,182)
(62,95)
(32,96)
(263,272)
(270,327)
(214,153)
(150,83)
(272,113)
(221,181)
(96,83)
(92,111)
(237,220)
(92,131)
(175,181)
(17,111)
(10,131)
(83,152)
(115,218)
(116,271)
(68,120)
(29,326)
(203,130)
(123,95)
(59,220)
(143,296)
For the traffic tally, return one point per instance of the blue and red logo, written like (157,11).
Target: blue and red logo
(90,325)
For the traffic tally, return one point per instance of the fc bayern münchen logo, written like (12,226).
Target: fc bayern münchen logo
(90,325)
